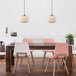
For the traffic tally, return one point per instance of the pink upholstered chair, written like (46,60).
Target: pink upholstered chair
(29,40)
(61,52)
(50,40)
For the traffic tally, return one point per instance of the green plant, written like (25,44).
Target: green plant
(69,35)
(6,29)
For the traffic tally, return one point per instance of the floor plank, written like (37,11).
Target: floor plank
(36,70)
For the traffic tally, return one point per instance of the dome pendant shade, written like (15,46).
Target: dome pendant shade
(24,19)
(52,19)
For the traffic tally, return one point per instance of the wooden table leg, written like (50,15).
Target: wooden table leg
(12,57)
(8,61)
(69,59)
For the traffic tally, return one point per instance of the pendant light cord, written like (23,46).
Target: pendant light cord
(52,7)
(24,7)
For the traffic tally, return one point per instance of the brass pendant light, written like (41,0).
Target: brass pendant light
(24,18)
(52,18)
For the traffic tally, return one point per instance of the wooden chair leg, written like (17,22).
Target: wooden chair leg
(65,66)
(73,62)
(47,65)
(44,56)
(5,58)
(74,59)
(28,65)
(32,57)
(54,67)
(16,65)
(21,61)
(58,65)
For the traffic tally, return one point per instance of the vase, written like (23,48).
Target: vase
(70,41)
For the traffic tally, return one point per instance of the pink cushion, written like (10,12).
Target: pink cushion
(48,50)
(53,57)
(28,40)
(49,40)
(31,50)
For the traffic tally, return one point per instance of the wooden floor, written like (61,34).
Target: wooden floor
(36,70)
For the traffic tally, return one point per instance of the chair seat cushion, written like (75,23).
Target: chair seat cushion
(48,50)
(2,53)
(32,50)
(54,57)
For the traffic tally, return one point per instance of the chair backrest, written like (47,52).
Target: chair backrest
(50,40)
(74,47)
(21,47)
(61,49)
(28,40)
(2,46)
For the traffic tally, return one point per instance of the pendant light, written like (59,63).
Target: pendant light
(52,18)
(24,18)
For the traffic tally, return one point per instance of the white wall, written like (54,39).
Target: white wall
(38,12)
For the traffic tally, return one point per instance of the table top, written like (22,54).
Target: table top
(38,44)
(42,44)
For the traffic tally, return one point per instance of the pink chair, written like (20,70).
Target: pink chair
(60,53)
(29,40)
(47,41)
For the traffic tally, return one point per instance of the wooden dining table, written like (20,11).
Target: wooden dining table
(35,46)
